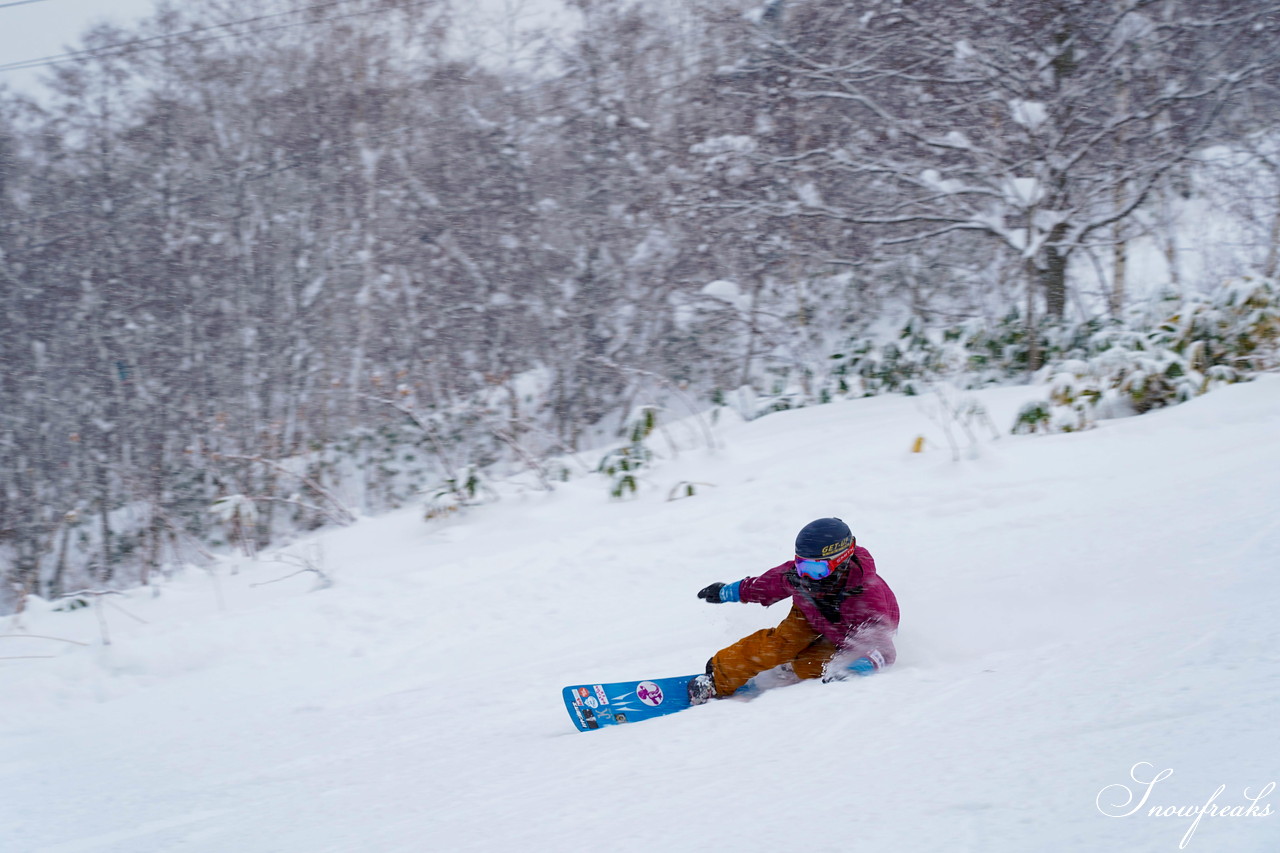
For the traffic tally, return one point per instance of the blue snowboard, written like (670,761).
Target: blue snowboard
(593,706)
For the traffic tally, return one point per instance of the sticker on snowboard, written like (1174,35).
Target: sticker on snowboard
(592,706)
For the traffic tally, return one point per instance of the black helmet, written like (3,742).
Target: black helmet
(823,538)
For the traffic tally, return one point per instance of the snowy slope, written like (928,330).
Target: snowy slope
(1072,605)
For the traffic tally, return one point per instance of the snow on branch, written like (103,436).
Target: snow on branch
(336,510)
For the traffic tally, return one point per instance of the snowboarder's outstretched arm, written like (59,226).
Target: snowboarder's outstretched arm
(769,588)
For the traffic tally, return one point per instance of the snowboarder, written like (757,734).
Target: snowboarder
(842,619)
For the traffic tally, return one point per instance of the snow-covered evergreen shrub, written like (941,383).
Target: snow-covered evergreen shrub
(871,366)
(1237,328)
(454,493)
(621,464)
(1074,391)
(970,355)
(1168,352)
(1032,418)
(387,465)
(994,353)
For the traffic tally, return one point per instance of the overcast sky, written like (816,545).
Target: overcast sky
(43,28)
(35,29)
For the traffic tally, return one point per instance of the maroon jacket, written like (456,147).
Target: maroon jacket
(859,615)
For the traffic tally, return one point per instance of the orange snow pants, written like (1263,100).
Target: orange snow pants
(793,642)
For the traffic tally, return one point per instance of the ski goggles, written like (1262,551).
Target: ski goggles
(817,569)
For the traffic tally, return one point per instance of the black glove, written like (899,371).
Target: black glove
(711,593)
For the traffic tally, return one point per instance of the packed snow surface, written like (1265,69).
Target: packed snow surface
(1080,613)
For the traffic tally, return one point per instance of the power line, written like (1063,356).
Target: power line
(306,159)
(19,3)
(122,48)
(89,52)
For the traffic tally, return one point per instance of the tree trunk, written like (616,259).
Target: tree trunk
(1053,278)
(1034,276)
(56,587)
(752,330)
(1120,251)
(1269,268)
(106,570)
(1120,260)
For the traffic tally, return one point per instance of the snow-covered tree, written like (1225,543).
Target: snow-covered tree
(1035,127)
